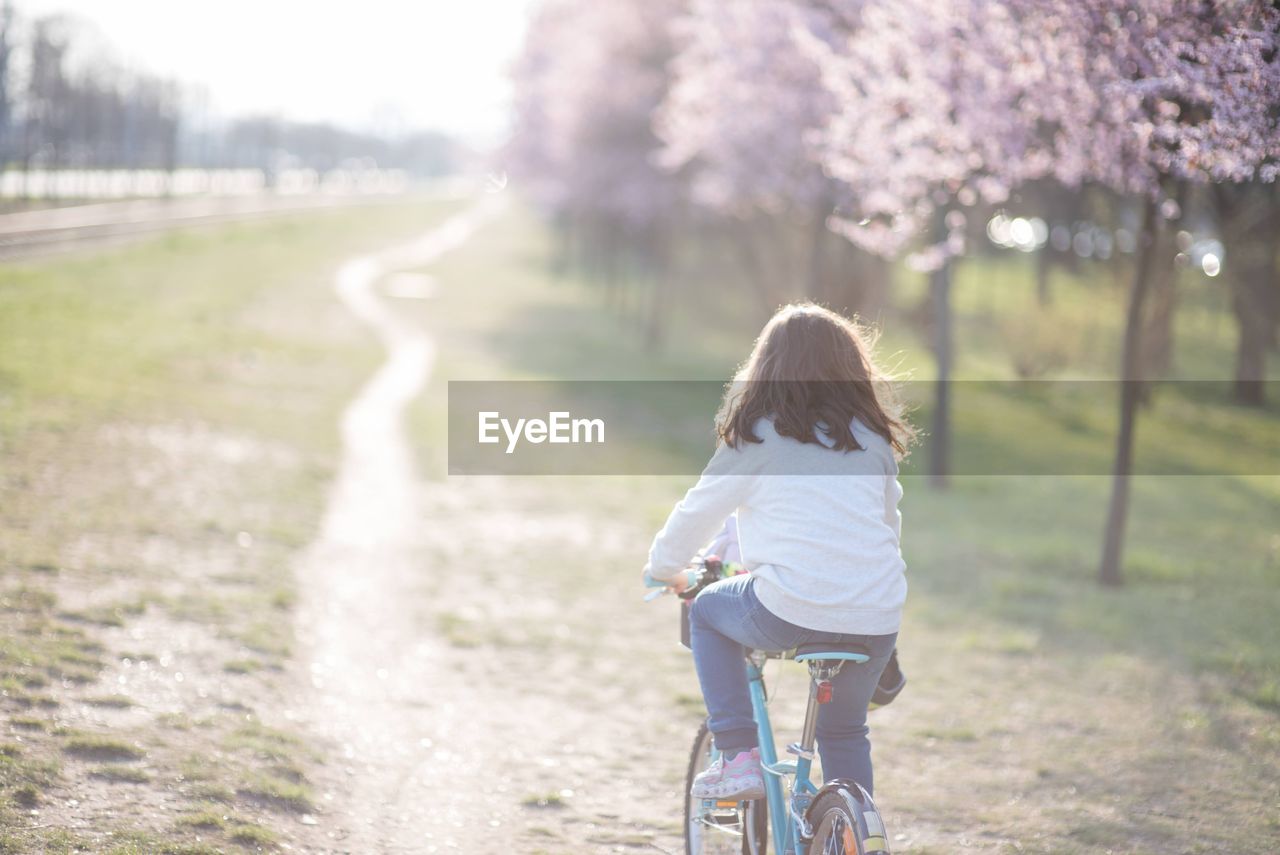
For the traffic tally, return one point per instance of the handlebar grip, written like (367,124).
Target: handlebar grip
(691,577)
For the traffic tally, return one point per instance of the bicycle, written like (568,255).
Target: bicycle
(838,818)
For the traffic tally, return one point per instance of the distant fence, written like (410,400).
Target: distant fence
(135,183)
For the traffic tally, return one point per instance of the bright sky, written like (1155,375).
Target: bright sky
(370,64)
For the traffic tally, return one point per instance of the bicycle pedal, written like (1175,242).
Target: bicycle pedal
(719,814)
(721,804)
(797,749)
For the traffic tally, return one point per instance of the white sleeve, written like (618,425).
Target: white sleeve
(701,513)
(725,544)
(893,516)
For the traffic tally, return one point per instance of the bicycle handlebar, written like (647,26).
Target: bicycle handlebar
(693,576)
(700,575)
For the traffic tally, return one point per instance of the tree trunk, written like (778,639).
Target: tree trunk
(758,268)
(562,257)
(1249,387)
(1157,337)
(655,269)
(857,281)
(817,273)
(654,327)
(940,443)
(1109,573)
(611,275)
(1247,217)
(874,293)
(1044,267)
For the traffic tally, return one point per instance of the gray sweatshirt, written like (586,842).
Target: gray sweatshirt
(819,528)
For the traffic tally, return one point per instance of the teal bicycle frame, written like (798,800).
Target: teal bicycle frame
(787,821)
(786,832)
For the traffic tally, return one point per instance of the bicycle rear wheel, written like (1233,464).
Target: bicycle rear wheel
(846,822)
(732,827)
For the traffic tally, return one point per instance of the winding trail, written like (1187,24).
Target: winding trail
(373,673)
(460,707)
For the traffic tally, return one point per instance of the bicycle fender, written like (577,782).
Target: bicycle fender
(872,838)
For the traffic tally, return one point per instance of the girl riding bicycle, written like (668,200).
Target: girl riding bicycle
(808,458)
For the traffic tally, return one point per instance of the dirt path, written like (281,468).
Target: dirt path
(462,684)
(370,668)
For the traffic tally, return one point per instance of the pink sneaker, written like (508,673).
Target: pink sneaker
(739,779)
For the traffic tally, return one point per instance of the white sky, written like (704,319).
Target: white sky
(371,64)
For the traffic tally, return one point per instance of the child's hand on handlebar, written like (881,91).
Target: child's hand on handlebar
(677,584)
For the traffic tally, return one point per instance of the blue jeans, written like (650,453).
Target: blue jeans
(724,621)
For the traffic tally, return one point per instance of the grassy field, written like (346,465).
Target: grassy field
(1044,714)
(168,418)
(168,427)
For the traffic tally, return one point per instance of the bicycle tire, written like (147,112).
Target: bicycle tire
(845,822)
(755,816)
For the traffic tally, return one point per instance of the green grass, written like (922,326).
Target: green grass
(249,834)
(1002,425)
(121,774)
(160,313)
(536,329)
(108,615)
(208,818)
(24,599)
(25,775)
(213,792)
(278,792)
(41,648)
(97,746)
(544,800)
(461,632)
(133,842)
(26,722)
(242,666)
(266,742)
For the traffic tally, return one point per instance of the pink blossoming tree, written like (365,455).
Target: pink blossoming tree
(589,81)
(740,123)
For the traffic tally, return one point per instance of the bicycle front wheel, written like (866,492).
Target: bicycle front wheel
(728,828)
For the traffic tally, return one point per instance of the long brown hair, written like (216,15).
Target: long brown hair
(811,369)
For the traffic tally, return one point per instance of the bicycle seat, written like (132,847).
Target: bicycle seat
(850,652)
